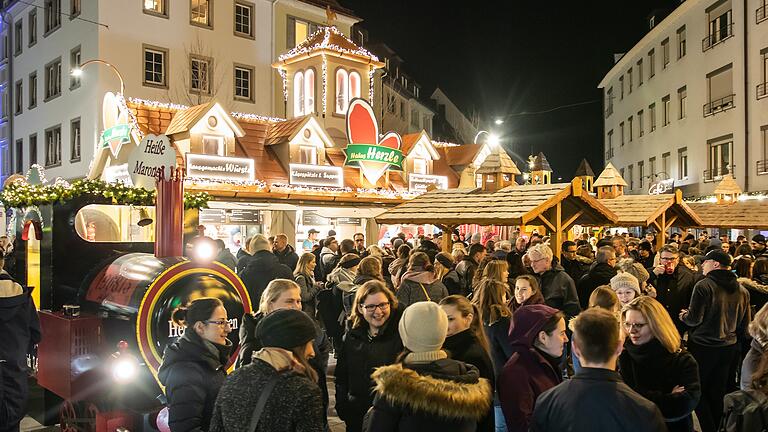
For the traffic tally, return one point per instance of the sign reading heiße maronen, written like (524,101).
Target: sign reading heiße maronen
(152,159)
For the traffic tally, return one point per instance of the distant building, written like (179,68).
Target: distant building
(450,122)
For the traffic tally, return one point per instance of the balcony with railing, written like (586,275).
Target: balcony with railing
(719,105)
(762,167)
(609,154)
(718,36)
(716,173)
(762,90)
(760,14)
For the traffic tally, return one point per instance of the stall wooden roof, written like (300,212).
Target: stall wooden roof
(737,215)
(644,210)
(610,177)
(498,162)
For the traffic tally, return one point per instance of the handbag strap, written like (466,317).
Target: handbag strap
(262,402)
(425,291)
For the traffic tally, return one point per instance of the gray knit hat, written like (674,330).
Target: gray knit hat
(625,280)
(635,269)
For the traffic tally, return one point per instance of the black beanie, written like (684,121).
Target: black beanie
(285,328)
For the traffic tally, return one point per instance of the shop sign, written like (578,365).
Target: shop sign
(220,167)
(662,187)
(152,160)
(238,216)
(212,217)
(312,218)
(348,221)
(115,137)
(316,175)
(374,155)
(421,182)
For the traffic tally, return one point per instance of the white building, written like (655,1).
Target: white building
(463,129)
(687,101)
(182,51)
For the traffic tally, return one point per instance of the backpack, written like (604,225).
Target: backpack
(745,411)
(320,274)
(329,308)
(332,262)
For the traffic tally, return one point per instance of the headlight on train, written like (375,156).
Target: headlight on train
(124,368)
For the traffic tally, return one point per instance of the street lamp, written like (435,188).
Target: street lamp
(492,138)
(499,121)
(78,71)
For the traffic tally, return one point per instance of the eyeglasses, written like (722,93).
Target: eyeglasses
(634,326)
(221,323)
(371,308)
(540,259)
(668,258)
(570,251)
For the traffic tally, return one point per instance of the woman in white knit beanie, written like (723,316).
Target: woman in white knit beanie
(626,286)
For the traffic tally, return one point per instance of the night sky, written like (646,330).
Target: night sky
(500,58)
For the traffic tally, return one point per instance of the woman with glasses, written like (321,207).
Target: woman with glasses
(372,341)
(655,365)
(194,367)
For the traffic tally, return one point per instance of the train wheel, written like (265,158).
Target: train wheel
(89,417)
(68,417)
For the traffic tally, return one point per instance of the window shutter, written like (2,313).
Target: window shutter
(291,34)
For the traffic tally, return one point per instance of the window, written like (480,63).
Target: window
(53,146)
(402,110)
(682,163)
(200,75)
(243,83)
(609,102)
(682,97)
(621,130)
(609,142)
(414,117)
(18,36)
(391,103)
(427,124)
(651,65)
(18,96)
(298,31)
(621,86)
(640,125)
(244,19)
(19,155)
(640,72)
(74,8)
(308,155)
(123,218)
(52,16)
(4,49)
(719,158)
(309,91)
(74,140)
(214,145)
(720,25)
(664,53)
(640,173)
(761,88)
(652,167)
(348,88)
(665,165)
(419,166)
(32,90)
(621,172)
(155,7)
(32,27)
(629,80)
(631,176)
(32,149)
(665,112)
(630,131)
(652,116)
(719,91)
(681,42)
(200,13)
(762,164)
(74,62)
(155,67)
(53,79)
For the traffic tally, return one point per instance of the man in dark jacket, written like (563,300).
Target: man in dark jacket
(600,274)
(673,283)
(758,246)
(20,329)
(645,254)
(596,399)
(224,256)
(557,287)
(285,252)
(468,266)
(261,269)
(576,266)
(719,313)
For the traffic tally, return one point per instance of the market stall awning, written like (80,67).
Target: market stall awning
(737,215)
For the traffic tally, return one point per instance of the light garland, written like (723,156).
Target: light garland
(242,183)
(131,117)
(284,76)
(746,196)
(325,82)
(305,48)
(257,117)
(303,188)
(180,107)
(370,84)
(444,144)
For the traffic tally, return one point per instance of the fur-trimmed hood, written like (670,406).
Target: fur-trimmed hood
(753,285)
(455,392)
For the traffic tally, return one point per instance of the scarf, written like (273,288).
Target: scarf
(280,359)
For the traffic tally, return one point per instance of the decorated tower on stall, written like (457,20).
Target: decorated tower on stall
(497,171)
(585,174)
(610,184)
(727,191)
(541,172)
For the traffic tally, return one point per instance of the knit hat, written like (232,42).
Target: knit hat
(638,271)
(719,256)
(259,243)
(759,238)
(423,327)
(285,328)
(625,280)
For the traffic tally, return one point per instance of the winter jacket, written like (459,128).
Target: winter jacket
(452,282)
(674,291)
(420,285)
(20,329)
(758,291)
(528,372)
(308,293)
(359,356)
(466,270)
(225,257)
(719,310)
(559,291)
(243,258)
(295,404)
(536,298)
(497,333)
(261,269)
(653,372)
(595,400)
(751,361)
(329,259)
(395,270)
(444,395)
(576,268)
(192,372)
(465,347)
(599,274)
(287,256)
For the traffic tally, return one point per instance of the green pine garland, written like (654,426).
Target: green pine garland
(21,194)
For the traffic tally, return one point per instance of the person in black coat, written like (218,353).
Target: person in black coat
(285,252)
(599,274)
(673,282)
(194,367)
(557,287)
(262,268)
(371,342)
(445,271)
(466,342)
(575,265)
(654,364)
(20,328)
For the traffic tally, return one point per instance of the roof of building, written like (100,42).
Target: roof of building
(644,210)
(610,177)
(460,155)
(735,215)
(584,169)
(727,186)
(334,5)
(283,131)
(330,41)
(498,162)
(540,163)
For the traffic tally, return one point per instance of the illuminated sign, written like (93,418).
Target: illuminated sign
(220,167)
(374,155)
(661,187)
(420,182)
(115,137)
(153,159)
(316,175)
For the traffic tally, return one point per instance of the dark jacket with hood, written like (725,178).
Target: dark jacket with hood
(309,292)
(559,291)
(452,282)
(673,291)
(719,310)
(576,268)
(595,400)
(466,270)
(599,274)
(192,372)
(529,372)
(497,333)
(261,269)
(758,291)
(444,395)
(359,356)
(652,371)
(536,298)
(20,329)
(465,347)
(420,285)
(287,256)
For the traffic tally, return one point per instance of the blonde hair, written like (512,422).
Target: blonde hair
(659,321)
(273,291)
(542,250)
(369,288)
(489,298)
(465,307)
(495,269)
(375,251)
(758,328)
(302,266)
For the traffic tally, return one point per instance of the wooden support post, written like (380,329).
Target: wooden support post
(447,241)
(558,230)
(661,237)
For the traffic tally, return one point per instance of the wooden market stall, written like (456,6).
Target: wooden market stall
(729,211)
